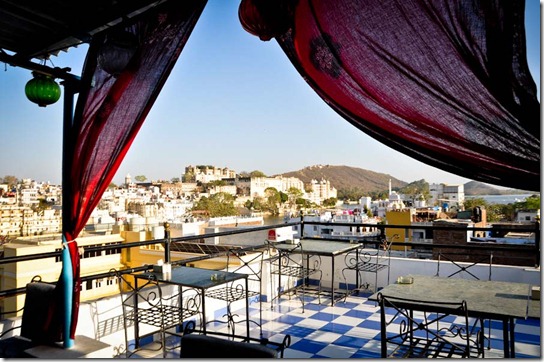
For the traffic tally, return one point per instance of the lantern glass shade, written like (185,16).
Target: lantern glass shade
(117,51)
(42,90)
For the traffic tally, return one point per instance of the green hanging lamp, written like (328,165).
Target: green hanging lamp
(42,89)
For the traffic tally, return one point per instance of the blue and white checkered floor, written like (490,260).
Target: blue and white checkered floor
(351,329)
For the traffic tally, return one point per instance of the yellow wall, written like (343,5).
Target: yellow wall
(399,217)
(17,275)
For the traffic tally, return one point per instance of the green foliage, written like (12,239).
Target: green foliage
(175,180)
(415,190)
(140,178)
(273,199)
(220,204)
(188,177)
(41,206)
(283,197)
(330,202)
(531,203)
(257,173)
(10,180)
(217,183)
(477,201)
(112,186)
(303,203)
(294,194)
(502,212)
(256,204)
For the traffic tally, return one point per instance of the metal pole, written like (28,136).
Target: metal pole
(67,271)
(537,242)
(167,241)
(301,224)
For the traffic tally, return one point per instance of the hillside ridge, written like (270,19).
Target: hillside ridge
(344,177)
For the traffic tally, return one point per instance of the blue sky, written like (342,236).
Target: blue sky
(232,100)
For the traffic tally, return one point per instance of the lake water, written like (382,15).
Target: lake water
(501,199)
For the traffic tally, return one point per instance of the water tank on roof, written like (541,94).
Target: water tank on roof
(158,232)
(137,223)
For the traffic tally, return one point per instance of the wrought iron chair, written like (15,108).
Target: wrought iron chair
(293,263)
(148,308)
(408,334)
(33,328)
(463,270)
(249,261)
(222,345)
(364,260)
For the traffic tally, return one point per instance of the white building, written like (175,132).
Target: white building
(447,195)
(321,190)
(259,184)
(527,215)
(205,174)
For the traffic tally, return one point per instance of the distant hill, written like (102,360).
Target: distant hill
(346,177)
(478,188)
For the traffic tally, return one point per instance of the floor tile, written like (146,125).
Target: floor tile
(351,329)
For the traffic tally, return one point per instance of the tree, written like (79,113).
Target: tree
(415,190)
(175,180)
(257,173)
(303,203)
(217,183)
(530,203)
(140,178)
(330,202)
(219,204)
(293,194)
(112,186)
(477,201)
(273,200)
(10,181)
(189,177)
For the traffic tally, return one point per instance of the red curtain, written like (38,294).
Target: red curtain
(445,82)
(111,109)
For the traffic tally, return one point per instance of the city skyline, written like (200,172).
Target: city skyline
(231,101)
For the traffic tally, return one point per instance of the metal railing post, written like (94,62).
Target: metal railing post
(537,242)
(301,224)
(167,241)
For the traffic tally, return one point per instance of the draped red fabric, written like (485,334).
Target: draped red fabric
(111,109)
(445,82)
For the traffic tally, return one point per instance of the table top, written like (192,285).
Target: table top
(491,299)
(193,277)
(320,247)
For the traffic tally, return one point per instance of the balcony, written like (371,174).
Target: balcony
(348,329)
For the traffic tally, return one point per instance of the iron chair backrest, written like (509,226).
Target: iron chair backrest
(293,262)
(39,324)
(425,338)
(146,305)
(462,269)
(203,346)
(247,261)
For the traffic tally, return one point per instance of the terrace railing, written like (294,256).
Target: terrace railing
(169,244)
